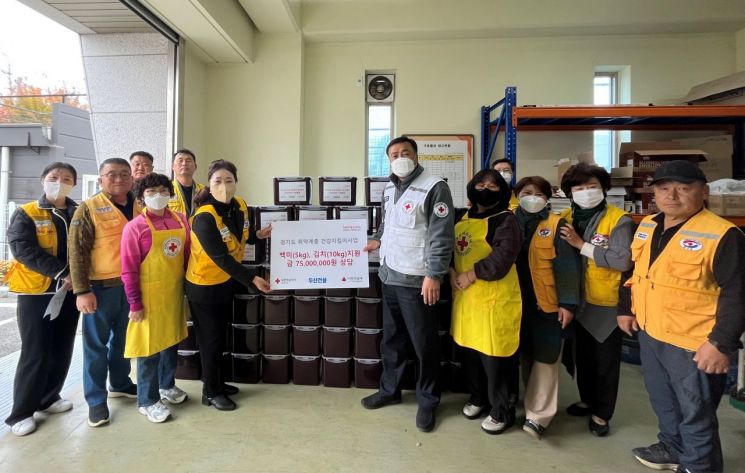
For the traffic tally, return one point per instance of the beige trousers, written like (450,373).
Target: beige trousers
(541,390)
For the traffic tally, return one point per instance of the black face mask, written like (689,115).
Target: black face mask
(485,197)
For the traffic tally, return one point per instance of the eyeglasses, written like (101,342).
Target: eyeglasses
(124,175)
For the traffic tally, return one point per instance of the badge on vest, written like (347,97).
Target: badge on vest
(172,247)
(441,209)
(544,232)
(642,236)
(103,210)
(463,243)
(42,223)
(225,233)
(690,244)
(599,240)
(408,207)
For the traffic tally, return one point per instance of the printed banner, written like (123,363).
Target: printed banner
(319,254)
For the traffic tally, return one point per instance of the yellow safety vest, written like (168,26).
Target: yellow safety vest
(541,254)
(601,284)
(21,279)
(486,316)
(202,270)
(108,222)
(675,300)
(177,202)
(162,286)
(514,202)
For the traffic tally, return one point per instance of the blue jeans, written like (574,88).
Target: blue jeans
(155,372)
(685,400)
(104,333)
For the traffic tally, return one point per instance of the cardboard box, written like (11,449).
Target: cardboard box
(616,196)
(654,158)
(727,205)
(719,155)
(622,177)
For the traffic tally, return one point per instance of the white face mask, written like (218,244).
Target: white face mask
(402,167)
(56,190)
(223,192)
(157,201)
(506,175)
(588,198)
(532,203)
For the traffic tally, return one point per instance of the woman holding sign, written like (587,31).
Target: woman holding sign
(487,305)
(219,233)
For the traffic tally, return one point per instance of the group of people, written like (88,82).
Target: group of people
(530,289)
(131,259)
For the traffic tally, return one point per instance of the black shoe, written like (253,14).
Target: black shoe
(130,392)
(576,410)
(378,400)
(221,402)
(599,430)
(98,415)
(229,390)
(534,429)
(657,457)
(425,419)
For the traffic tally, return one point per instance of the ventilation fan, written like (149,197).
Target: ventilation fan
(380,88)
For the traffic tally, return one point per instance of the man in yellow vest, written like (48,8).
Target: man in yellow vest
(141,163)
(95,268)
(184,186)
(504,167)
(687,293)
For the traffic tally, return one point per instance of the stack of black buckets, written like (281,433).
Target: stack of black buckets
(311,337)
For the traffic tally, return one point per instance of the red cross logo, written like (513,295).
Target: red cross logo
(277,280)
(407,206)
(344,279)
(462,244)
(441,209)
(173,247)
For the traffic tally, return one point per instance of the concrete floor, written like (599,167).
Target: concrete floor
(315,429)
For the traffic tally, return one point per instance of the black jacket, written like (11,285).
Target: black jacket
(25,247)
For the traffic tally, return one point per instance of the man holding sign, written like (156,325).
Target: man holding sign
(416,243)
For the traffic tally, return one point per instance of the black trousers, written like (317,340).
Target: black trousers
(489,380)
(211,310)
(598,370)
(406,317)
(46,351)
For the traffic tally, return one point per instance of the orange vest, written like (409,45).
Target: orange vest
(21,279)
(675,300)
(541,254)
(108,223)
(202,270)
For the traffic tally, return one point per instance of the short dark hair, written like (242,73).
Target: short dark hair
(59,165)
(399,140)
(152,180)
(503,160)
(490,175)
(120,161)
(581,173)
(216,165)
(184,151)
(536,181)
(144,154)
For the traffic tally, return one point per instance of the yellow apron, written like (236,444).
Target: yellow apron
(486,316)
(162,285)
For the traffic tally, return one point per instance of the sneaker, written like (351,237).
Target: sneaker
(24,427)
(98,415)
(175,395)
(492,426)
(156,413)
(534,429)
(657,457)
(58,406)
(425,419)
(130,392)
(378,400)
(472,411)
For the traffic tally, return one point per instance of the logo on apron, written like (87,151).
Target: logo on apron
(689,244)
(172,247)
(463,243)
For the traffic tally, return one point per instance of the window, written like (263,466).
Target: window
(605,87)
(379,129)
(90,185)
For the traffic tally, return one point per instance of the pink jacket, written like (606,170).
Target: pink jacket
(136,242)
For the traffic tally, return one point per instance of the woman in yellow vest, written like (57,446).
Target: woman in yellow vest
(220,231)
(486,299)
(154,252)
(37,237)
(548,269)
(602,234)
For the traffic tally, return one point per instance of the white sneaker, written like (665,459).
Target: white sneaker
(175,395)
(156,413)
(472,411)
(492,426)
(60,405)
(24,427)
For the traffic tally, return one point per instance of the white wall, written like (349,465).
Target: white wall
(194,105)
(740,50)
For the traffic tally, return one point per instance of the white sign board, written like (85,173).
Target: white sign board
(293,191)
(319,254)
(337,191)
